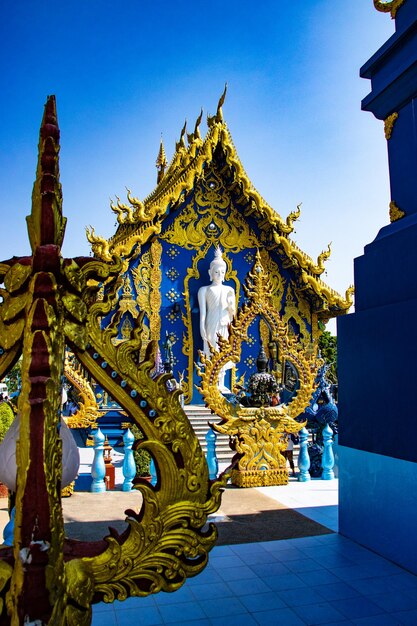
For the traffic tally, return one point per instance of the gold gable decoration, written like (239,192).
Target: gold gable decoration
(192,170)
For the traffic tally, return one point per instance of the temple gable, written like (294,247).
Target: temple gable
(205,200)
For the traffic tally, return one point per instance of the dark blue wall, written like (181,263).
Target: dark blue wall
(377,345)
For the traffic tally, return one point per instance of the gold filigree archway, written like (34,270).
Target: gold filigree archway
(258,434)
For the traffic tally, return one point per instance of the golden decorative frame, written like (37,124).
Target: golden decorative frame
(257,433)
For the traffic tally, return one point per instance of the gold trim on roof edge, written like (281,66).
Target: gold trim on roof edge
(144,219)
(183,170)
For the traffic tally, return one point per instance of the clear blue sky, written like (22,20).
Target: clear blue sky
(126,71)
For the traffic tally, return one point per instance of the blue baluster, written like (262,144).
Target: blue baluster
(152,470)
(98,468)
(212,462)
(336,455)
(8,532)
(303,458)
(327,460)
(129,465)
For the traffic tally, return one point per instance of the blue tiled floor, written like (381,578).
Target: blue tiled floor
(315,580)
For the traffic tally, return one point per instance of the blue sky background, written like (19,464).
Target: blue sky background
(126,71)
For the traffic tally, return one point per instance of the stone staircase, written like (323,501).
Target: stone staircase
(199,417)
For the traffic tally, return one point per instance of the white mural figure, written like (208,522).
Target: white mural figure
(217,304)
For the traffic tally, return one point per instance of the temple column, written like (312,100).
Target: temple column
(377,345)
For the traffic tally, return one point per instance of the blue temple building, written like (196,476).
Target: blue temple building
(204,199)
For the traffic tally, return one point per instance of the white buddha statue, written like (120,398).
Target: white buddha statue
(217,304)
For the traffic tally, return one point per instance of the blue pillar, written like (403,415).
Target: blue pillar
(129,465)
(212,462)
(8,532)
(152,470)
(377,366)
(327,460)
(303,457)
(98,469)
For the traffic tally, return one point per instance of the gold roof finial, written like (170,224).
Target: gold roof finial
(219,113)
(181,143)
(197,124)
(161,161)
(390,6)
(196,135)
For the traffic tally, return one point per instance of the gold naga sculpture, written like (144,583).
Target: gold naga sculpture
(88,411)
(258,434)
(49,302)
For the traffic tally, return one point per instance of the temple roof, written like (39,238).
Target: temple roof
(140,220)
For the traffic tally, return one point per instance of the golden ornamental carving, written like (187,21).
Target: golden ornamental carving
(88,411)
(389,125)
(124,213)
(395,213)
(188,343)
(99,245)
(189,169)
(148,278)
(275,278)
(329,297)
(127,303)
(391,6)
(44,576)
(133,567)
(155,299)
(186,173)
(211,195)
(297,258)
(299,311)
(187,166)
(250,428)
(192,229)
(323,257)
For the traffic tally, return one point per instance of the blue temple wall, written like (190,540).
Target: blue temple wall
(377,380)
(378,504)
(377,370)
(377,345)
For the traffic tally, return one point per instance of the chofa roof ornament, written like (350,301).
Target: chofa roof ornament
(391,6)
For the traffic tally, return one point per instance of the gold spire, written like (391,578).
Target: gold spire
(161,162)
